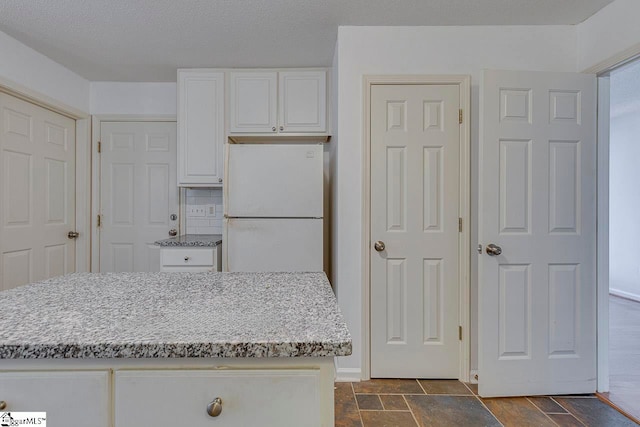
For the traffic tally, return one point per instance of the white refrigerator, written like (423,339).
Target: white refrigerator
(273,207)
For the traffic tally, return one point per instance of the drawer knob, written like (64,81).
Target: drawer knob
(3,405)
(186,259)
(215,407)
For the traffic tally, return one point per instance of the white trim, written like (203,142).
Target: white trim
(348,375)
(625,295)
(96,121)
(602,238)
(615,61)
(83,156)
(464,82)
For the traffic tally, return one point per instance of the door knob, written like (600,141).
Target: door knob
(493,250)
(73,234)
(379,246)
(215,407)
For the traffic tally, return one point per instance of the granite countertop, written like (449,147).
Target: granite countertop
(170,315)
(192,240)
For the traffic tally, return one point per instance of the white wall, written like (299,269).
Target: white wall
(612,30)
(624,175)
(418,50)
(133,98)
(21,65)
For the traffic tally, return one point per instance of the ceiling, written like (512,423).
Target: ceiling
(146,40)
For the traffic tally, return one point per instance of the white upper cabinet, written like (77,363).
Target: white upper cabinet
(252,102)
(200,128)
(303,101)
(278,102)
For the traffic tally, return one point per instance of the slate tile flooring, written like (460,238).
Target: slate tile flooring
(411,403)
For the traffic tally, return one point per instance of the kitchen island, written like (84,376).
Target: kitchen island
(207,349)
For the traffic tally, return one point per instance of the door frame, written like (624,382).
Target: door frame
(602,70)
(464,206)
(96,124)
(83,162)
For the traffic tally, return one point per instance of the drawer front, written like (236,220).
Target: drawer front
(249,398)
(187,257)
(181,269)
(70,399)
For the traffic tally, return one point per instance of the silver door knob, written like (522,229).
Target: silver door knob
(493,250)
(73,234)
(379,246)
(215,407)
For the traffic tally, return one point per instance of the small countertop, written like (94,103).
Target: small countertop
(172,315)
(189,240)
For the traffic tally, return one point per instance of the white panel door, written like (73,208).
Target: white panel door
(537,324)
(415,146)
(303,101)
(37,197)
(292,244)
(274,180)
(253,103)
(138,193)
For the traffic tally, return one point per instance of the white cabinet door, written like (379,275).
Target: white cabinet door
(70,399)
(537,304)
(200,127)
(249,398)
(302,101)
(253,102)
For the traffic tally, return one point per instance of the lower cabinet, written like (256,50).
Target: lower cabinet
(189,259)
(166,398)
(70,398)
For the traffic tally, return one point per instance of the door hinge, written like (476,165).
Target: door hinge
(99,147)
(460,225)
(460,333)
(99,223)
(460,116)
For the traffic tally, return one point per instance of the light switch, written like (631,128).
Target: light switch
(196,211)
(211,210)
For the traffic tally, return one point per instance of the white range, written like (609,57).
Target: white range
(274,207)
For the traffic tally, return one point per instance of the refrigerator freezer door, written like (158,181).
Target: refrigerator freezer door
(255,245)
(274,181)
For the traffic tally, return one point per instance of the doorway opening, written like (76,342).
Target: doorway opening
(624,234)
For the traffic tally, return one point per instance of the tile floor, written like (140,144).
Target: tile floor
(410,403)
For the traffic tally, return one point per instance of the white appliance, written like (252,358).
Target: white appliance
(274,207)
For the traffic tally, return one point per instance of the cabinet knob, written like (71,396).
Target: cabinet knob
(215,407)
(186,259)
(3,405)
(273,128)
(219,179)
(281,128)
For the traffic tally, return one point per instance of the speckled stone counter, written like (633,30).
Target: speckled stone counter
(173,315)
(188,240)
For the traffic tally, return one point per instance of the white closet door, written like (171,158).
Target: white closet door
(138,193)
(415,146)
(37,202)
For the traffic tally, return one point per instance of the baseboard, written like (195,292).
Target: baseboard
(348,375)
(623,294)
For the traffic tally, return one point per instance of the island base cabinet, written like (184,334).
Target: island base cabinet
(70,399)
(248,398)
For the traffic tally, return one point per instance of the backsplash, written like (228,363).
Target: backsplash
(204,211)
